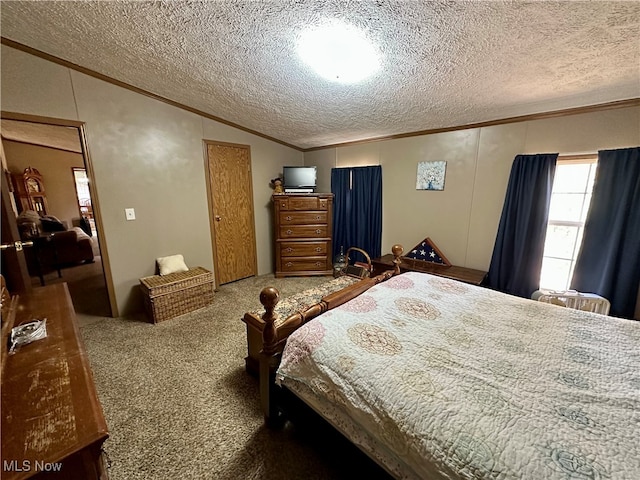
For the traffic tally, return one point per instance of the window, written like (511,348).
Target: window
(570,198)
(83,195)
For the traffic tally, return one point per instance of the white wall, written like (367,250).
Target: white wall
(463,218)
(146,155)
(149,155)
(324,160)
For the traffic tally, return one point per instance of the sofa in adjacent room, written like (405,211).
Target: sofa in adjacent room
(54,245)
(72,246)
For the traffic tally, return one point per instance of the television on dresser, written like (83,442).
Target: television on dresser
(299,179)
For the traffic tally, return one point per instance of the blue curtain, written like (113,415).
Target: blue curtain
(357,220)
(341,189)
(609,260)
(517,253)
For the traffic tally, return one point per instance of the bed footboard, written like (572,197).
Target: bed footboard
(276,330)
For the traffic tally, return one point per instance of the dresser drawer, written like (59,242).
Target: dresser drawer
(304,231)
(303,203)
(303,218)
(304,264)
(303,249)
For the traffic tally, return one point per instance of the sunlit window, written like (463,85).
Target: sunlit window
(84,197)
(82,184)
(570,199)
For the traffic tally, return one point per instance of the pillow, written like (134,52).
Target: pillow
(171,264)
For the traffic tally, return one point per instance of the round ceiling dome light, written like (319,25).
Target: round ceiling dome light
(339,52)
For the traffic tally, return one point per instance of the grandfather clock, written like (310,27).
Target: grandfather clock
(29,191)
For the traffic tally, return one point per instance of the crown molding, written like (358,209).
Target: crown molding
(631,102)
(100,76)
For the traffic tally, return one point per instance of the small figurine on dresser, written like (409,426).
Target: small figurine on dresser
(276,184)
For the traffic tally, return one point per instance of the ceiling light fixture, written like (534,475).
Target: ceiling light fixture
(339,52)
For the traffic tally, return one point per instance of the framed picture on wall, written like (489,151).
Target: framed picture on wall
(431,175)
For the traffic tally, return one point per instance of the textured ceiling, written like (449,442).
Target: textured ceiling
(444,64)
(53,136)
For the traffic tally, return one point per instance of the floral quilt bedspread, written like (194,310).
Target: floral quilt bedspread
(440,379)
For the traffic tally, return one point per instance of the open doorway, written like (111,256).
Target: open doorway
(85,206)
(46,163)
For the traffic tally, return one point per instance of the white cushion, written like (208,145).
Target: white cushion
(171,264)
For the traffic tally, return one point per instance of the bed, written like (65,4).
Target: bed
(434,378)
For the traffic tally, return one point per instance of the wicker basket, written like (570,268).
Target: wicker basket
(169,296)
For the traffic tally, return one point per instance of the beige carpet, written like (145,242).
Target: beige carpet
(86,284)
(179,404)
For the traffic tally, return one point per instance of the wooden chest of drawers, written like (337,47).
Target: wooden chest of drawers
(53,426)
(303,229)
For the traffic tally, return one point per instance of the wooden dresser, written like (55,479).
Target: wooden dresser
(303,229)
(52,421)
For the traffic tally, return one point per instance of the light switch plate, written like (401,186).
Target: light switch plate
(130,213)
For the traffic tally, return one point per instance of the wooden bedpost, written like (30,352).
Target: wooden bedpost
(397,253)
(269,297)
(274,336)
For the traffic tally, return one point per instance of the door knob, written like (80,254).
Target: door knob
(17,245)
(218,218)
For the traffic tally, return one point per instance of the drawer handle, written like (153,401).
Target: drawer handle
(318,217)
(284,205)
(289,264)
(318,231)
(318,264)
(288,249)
(318,249)
(288,218)
(289,232)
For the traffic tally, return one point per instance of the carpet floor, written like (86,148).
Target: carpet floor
(86,284)
(179,404)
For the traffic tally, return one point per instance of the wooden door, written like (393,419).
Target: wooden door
(14,266)
(231,201)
